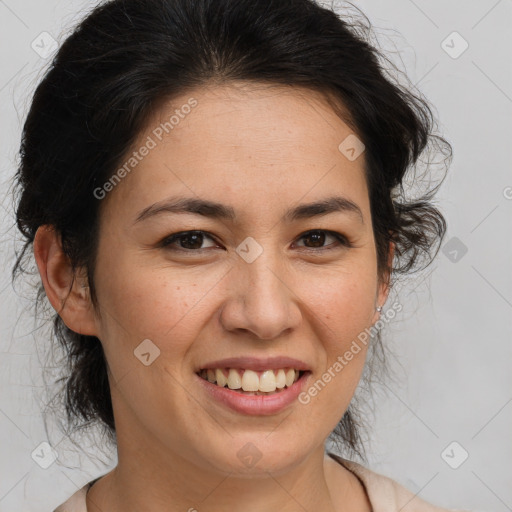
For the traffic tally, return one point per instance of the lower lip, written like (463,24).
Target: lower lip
(258,405)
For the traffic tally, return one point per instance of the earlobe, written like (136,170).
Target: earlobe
(64,290)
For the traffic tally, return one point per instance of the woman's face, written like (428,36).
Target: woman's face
(251,285)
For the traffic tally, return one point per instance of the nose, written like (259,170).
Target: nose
(263,299)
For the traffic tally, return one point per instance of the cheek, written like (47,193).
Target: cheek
(343,312)
(343,307)
(343,300)
(139,303)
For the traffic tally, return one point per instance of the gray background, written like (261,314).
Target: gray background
(453,336)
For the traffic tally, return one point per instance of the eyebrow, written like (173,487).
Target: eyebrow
(216,210)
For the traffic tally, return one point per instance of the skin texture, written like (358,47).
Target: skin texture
(260,150)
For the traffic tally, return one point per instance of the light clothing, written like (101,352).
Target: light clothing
(384,494)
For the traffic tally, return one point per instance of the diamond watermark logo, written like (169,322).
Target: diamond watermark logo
(454,45)
(44,45)
(249,249)
(454,249)
(454,455)
(146,352)
(351,147)
(44,455)
(249,454)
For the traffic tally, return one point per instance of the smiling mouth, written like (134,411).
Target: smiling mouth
(249,382)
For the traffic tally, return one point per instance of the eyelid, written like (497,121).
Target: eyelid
(342,239)
(170,239)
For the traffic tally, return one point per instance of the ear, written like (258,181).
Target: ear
(384,282)
(67,293)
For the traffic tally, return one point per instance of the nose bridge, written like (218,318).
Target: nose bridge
(261,300)
(265,285)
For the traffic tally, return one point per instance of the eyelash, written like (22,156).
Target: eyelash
(168,241)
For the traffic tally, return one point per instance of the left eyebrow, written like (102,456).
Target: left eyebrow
(325,206)
(216,210)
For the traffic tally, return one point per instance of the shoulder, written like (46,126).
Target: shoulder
(387,495)
(76,503)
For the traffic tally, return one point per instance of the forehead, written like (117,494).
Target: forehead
(250,115)
(246,141)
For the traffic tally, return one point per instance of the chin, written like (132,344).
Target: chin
(256,454)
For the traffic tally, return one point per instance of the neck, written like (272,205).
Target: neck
(151,475)
(143,482)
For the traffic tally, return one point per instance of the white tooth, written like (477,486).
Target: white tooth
(210,375)
(234,379)
(296,376)
(268,381)
(280,379)
(220,378)
(250,381)
(290,376)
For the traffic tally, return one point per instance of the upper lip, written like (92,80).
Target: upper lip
(257,364)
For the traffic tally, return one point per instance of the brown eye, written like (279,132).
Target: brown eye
(188,241)
(318,237)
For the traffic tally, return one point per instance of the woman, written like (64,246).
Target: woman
(213,192)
